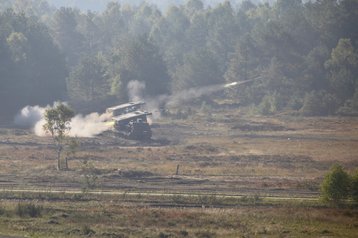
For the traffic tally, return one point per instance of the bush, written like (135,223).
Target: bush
(319,103)
(336,185)
(268,105)
(295,102)
(163,235)
(87,231)
(90,176)
(350,107)
(354,187)
(28,209)
(184,233)
(2,211)
(355,101)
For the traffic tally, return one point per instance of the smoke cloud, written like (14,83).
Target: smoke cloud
(89,125)
(81,126)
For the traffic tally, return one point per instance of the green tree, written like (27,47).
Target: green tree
(144,18)
(325,16)
(314,73)
(140,59)
(89,80)
(319,103)
(66,34)
(17,44)
(199,69)
(343,67)
(112,24)
(31,67)
(222,33)
(336,185)
(58,125)
(197,34)
(242,66)
(89,29)
(354,188)
(193,7)
(170,33)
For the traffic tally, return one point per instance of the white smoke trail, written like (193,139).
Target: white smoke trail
(81,126)
(136,93)
(192,93)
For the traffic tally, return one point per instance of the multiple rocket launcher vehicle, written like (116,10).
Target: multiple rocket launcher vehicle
(130,122)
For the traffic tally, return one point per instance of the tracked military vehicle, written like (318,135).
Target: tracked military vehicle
(133,125)
(130,122)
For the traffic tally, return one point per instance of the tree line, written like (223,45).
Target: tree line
(305,53)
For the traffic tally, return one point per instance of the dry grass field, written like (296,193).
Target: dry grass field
(115,219)
(238,176)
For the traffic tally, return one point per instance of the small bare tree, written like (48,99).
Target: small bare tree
(58,125)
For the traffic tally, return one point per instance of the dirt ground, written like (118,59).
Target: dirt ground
(224,153)
(223,174)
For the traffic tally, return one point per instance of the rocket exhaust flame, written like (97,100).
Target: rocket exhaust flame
(230,84)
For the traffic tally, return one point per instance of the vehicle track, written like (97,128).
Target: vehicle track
(147,197)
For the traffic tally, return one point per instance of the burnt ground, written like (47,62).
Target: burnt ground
(223,153)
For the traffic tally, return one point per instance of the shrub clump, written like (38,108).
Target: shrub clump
(2,211)
(28,209)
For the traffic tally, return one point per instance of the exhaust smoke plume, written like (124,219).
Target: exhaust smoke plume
(136,92)
(192,93)
(81,126)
